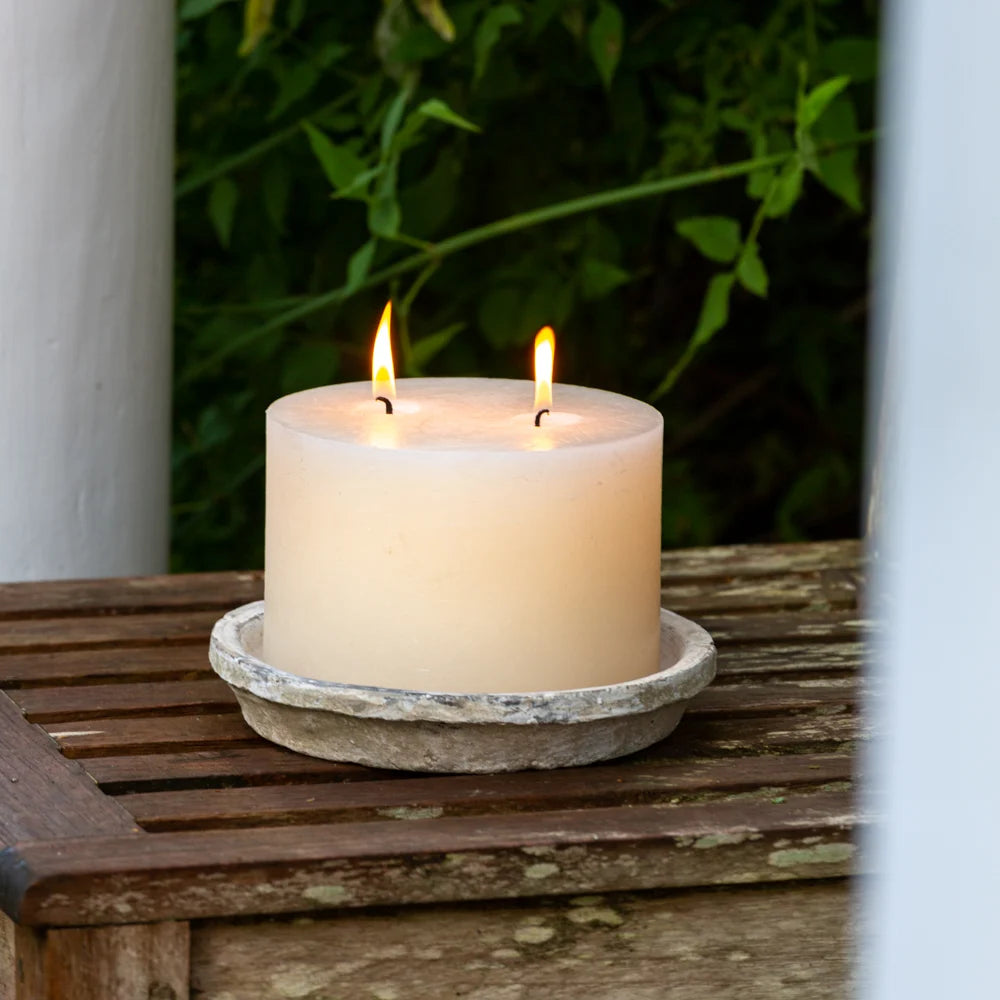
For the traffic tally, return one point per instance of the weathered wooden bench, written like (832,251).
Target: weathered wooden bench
(155,848)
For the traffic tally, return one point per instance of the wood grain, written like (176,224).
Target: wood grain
(42,794)
(104,666)
(394,862)
(22,969)
(483,795)
(138,962)
(127,595)
(788,942)
(760,560)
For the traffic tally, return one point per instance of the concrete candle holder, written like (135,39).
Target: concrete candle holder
(472,733)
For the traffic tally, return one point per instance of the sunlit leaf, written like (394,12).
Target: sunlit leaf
(819,99)
(437,17)
(257,16)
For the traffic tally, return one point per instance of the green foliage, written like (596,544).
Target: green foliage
(333,154)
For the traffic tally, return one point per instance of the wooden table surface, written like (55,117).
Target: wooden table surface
(152,840)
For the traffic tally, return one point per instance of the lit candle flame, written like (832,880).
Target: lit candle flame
(545,352)
(383,375)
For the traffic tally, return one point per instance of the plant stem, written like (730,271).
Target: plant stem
(503,227)
(197,180)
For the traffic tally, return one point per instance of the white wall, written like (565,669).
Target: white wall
(934,911)
(86,159)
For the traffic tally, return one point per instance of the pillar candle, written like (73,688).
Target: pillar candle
(454,546)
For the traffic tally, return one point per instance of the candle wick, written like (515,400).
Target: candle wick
(538,417)
(387,401)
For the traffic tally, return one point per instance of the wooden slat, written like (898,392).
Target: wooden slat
(790,942)
(820,589)
(55,634)
(828,659)
(105,735)
(137,962)
(288,869)
(112,701)
(44,795)
(125,595)
(804,626)
(104,666)
(760,560)
(213,696)
(263,763)
(459,795)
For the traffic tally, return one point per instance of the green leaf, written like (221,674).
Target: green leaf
(296,12)
(425,349)
(838,171)
(499,315)
(488,34)
(751,272)
(818,100)
(296,83)
(359,265)
(222,208)
(598,278)
(191,9)
(275,185)
(716,236)
(714,309)
(437,17)
(785,189)
(435,108)
(384,216)
(605,39)
(393,116)
(257,16)
(340,164)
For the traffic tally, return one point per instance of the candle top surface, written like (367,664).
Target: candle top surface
(457,414)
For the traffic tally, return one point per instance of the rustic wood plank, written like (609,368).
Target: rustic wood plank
(803,626)
(761,560)
(112,701)
(820,589)
(42,794)
(125,595)
(105,666)
(132,962)
(111,631)
(22,972)
(289,869)
(460,795)
(108,736)
(212,696)
(788,942)
(826,659)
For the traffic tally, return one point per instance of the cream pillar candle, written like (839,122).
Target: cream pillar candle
(454,546)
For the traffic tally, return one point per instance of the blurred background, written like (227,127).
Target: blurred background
(332,154)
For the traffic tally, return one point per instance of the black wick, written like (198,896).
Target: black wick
(387,401)
(538,417)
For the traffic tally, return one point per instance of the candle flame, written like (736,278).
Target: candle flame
(545,352)
(383,375)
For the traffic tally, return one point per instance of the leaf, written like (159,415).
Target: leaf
(191,9)
(427,347)
(818,100)
(384,216)
(437,17)
(838,171)
(751,272)
(275,187)
(222,208)
(715,236)
(435,108)
(785,189)
(308,365)
(359,265)
(714,309)
(296,12)
(393,116)
(296,83)
(488,34)
(257,16)
(499,314)
(598,278)
(605,38)
(340,164)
